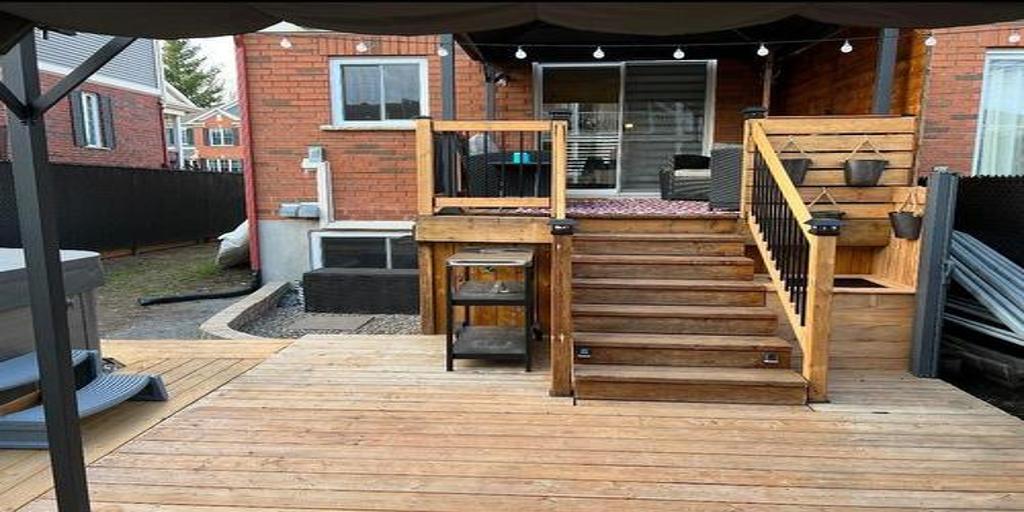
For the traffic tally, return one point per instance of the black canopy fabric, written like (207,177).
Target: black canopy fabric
(195,19)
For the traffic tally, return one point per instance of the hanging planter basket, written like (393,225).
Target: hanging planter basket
(835,214)
(863,172)
(796,168)
(906,223)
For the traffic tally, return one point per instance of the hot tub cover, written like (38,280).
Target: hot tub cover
(82,272)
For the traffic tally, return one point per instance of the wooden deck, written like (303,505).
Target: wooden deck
(373,423)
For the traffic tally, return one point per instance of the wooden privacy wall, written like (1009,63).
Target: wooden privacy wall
(828,141)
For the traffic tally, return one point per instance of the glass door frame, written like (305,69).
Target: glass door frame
(711,73)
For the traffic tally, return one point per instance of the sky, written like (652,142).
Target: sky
(221,51)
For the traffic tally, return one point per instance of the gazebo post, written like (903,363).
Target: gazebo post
(37,220)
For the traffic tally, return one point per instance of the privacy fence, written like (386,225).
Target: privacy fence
(109,208)
(991,209)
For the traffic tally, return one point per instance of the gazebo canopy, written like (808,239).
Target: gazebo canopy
(195,19)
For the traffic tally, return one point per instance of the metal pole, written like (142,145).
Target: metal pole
(490,108)
(937,229)
(885,67)
(448,110)
(37,219)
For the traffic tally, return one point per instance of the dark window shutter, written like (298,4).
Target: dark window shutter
(234,136)
(107,122)
(206,137)
(77,124)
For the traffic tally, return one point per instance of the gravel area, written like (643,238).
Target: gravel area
(277,323)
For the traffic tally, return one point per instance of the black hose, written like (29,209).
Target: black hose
(254,284)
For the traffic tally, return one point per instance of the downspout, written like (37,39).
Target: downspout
(248,171)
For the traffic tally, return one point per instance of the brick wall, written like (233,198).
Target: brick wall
(289,100)
(823,81)
(138,127)
(953,95)
(204,150)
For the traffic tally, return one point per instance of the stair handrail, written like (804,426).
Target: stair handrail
(799,254)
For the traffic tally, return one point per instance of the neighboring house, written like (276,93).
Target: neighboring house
(176,108)
(114,118)
(212,139)
(973,119)
(319,89)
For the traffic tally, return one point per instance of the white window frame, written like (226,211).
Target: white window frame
(92,125)
(219,130)
(336,91)
(1002,54)
(316,252)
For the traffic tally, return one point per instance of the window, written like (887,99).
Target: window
(999,150)
(221,137)
(358,249)
(188,137)
(222,165)
(91,120)
(378,92)
(171,139)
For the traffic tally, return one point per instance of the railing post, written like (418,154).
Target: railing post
(820,273)
(746,179)
(424,166)
(561,307)
(559,161)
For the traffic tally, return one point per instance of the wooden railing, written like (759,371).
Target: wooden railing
(491,165)
(799,254)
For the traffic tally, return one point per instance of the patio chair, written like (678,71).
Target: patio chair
(688,178)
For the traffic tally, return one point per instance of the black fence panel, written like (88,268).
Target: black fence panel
(991,208)
(107,208)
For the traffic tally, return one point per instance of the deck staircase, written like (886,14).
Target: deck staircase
(670,311)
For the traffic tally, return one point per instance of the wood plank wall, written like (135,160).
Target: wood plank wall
(828,141)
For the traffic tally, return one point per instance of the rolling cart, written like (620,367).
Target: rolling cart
(496,343)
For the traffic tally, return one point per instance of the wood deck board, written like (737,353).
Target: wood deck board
(190,370)
(373,423)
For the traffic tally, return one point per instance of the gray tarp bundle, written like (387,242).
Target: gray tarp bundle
(195,19)
(995,281)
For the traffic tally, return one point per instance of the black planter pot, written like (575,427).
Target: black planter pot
(828,214)
(905,225)
(863,173)
(796,168)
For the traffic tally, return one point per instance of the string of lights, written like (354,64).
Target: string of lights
(762,48)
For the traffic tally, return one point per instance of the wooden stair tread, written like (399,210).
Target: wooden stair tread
(668,284)
(660,237)
(658,259)
(651,310)
(777,377)
(681,341)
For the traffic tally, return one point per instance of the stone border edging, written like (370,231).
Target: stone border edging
(225,324)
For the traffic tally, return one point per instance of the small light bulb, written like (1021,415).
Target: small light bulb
(678,54)
(931,41)
(520,53)
(442,51)
(762,51)
(1014,37)
(361,47)
(846,47)
(285,43)
(598,53)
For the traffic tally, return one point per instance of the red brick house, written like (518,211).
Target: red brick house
(311,88)
(113,119)
(211,139)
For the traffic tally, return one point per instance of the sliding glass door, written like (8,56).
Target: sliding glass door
(589,96)
(628,119)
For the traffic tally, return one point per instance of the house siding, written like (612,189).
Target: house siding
(138,126)
(952,98)
(136,64)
